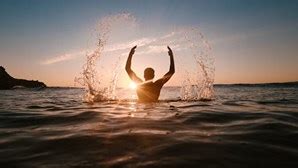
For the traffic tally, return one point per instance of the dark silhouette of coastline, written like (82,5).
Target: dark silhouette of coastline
(9,82)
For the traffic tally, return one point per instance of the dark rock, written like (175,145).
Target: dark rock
(8,82)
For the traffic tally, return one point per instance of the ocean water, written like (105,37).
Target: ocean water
(244,126)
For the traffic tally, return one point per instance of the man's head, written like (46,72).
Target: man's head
(149,74)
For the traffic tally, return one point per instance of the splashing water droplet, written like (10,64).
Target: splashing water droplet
(200,86)
(95,89)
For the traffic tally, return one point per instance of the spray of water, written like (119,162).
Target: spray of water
(199,86)
(188,44)
(95,89)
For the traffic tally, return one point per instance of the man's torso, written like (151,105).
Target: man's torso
(149,91)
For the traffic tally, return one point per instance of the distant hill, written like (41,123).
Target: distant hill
(9,82)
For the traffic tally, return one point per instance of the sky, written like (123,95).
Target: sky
(252,41)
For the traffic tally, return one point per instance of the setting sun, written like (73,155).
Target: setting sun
(132,85)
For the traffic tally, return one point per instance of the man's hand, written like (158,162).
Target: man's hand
(170,52)
(132,51)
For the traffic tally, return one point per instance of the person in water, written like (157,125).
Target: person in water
(149,91)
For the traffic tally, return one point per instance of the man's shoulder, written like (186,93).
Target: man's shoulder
(159,82)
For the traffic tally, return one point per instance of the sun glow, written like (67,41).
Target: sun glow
(132,86)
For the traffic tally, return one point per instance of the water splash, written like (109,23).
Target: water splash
(200,86)
(90,79)
(192,52)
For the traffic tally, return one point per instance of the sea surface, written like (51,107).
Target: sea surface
(244,126)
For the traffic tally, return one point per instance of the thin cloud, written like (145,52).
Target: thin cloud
(150,45)
(122,46)
(61,58)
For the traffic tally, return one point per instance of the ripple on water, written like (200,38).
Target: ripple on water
(230,131)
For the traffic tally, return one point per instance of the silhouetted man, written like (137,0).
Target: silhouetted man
(149,91)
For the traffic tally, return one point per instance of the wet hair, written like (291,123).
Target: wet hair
(149,73)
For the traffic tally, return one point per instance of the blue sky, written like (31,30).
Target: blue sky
(252,40)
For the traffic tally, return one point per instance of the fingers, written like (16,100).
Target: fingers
(170,51)
(132,51)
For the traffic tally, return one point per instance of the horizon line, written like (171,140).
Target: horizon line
(264,83)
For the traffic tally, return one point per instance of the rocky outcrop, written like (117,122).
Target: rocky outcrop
(8,82)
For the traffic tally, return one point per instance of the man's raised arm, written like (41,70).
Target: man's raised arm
(169,74)
(128,69)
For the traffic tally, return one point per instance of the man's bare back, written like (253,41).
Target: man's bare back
(149,91)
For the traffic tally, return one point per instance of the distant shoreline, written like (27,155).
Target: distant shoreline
(260,84)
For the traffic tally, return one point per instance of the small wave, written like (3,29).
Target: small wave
(279,101)
(233,103)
